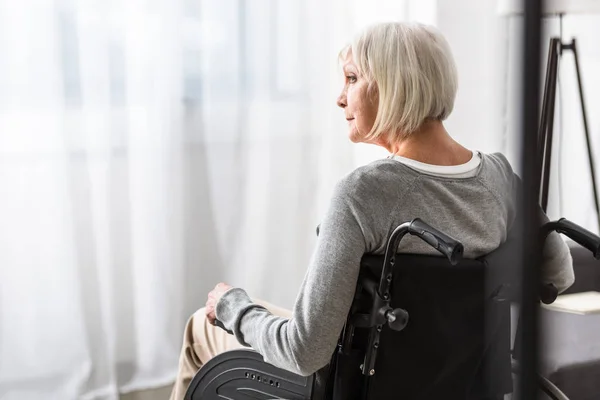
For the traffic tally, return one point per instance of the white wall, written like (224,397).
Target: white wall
(576,202)
(477,37)
(570,192)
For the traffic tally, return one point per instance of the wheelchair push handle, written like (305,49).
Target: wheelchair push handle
(575,232)
(449,247)
(587,239)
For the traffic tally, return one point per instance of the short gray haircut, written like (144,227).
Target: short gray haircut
(413,70)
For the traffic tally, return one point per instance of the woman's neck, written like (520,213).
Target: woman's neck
(430,144)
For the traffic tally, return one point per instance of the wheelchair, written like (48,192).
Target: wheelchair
(420,327)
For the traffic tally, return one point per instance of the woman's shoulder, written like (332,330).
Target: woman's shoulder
(498,177)
(499,160)
(376,176)
(496,167)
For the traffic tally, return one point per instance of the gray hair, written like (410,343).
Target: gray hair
(412,68)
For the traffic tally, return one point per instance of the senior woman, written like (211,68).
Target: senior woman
(400,84)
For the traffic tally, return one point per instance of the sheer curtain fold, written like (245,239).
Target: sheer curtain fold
(148,150)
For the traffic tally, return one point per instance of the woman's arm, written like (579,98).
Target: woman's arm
(557,263)
(304,344)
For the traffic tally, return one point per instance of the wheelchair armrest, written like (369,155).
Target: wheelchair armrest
(243,374)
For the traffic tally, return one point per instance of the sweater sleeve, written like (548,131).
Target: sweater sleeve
(557,263)
(304,343)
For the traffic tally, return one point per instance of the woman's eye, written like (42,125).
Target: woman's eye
(351,78)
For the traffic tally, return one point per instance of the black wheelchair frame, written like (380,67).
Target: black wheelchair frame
(474,325)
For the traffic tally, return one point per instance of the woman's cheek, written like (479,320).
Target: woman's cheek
(349,98)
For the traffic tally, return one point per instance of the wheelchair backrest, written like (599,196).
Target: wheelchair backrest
(457,340)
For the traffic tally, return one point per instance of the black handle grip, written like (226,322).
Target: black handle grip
(548,293)
(581,235)
(443,243)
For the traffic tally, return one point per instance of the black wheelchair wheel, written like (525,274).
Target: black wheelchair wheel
(550,390)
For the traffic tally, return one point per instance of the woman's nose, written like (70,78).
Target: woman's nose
(341,100)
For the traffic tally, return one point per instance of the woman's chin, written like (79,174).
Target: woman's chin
(354,137)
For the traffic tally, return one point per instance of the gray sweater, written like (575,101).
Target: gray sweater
(367,205)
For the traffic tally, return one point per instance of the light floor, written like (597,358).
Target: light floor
(152,394)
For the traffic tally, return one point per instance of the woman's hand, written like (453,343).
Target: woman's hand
(213,298)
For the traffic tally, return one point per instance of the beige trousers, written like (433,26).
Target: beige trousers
(202,341)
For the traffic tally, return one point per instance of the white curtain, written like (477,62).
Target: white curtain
(92,177)
(148,150)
